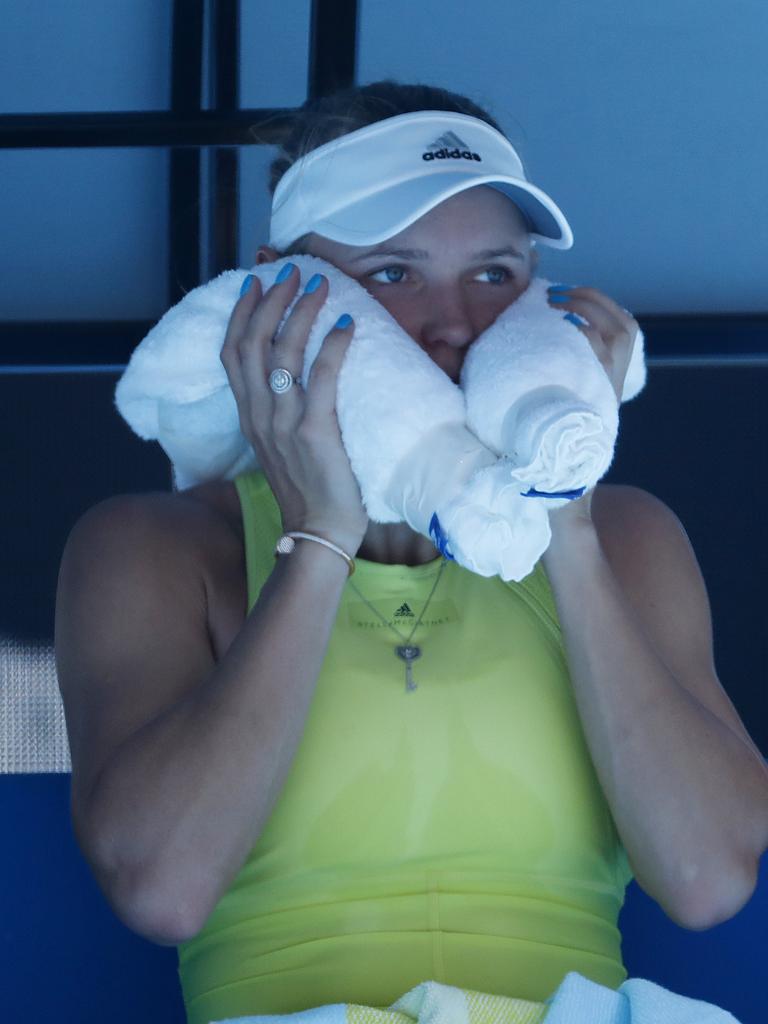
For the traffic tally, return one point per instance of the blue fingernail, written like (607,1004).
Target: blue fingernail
(560,287)
(575,319)
(344,320)
(285,273)
(559,298)
(246,285)
(314,284)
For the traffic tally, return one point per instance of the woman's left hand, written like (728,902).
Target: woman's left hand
(611,331)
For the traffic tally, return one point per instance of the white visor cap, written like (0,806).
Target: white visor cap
(369,185)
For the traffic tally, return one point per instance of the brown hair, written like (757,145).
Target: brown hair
(328,117)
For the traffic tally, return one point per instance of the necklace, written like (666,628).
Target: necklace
(407,651)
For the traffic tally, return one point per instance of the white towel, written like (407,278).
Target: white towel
(577,1000)
(402,419)
(637,1001)
(331,1013)
(537,395)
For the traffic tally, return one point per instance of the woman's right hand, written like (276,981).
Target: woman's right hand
(295,435)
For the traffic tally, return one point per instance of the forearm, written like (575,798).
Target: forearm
(183,801)
(684,790)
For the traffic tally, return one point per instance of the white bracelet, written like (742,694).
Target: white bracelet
(286,544)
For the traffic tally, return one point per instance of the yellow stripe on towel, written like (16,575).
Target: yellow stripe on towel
(357,1014)
(487,1009)
(481,1008)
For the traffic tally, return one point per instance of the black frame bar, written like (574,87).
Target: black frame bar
(184,170)
(144,128)
(223,189)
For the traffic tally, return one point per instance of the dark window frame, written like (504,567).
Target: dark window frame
(184,129)
(187,127)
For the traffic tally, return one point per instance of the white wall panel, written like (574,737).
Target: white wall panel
(645,122)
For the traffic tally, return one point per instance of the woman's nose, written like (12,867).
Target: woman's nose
(447,322)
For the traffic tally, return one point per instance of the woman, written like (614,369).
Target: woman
(250,779)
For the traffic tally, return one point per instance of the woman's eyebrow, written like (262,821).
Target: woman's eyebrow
(422,254)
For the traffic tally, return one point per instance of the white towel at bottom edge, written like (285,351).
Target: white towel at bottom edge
(577,1000)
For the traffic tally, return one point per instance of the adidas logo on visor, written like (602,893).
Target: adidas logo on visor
(449,147)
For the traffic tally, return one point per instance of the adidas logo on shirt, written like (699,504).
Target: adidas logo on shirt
(449,147)
(404,611)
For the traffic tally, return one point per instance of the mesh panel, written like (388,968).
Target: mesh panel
(33,735)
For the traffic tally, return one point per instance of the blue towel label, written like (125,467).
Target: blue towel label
(570,495)
(438,538)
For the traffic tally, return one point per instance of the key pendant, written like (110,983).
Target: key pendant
(409,655)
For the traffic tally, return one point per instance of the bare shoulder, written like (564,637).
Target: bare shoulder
(204,519)
(199,529)
(223,561)
(625,515)
(653,559)
(608,496)
(139,596)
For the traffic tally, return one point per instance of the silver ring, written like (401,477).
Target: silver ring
(282,380)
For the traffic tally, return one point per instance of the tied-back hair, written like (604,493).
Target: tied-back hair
(329,117)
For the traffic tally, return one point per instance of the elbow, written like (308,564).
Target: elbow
(158,910)
(165,917)
(718,901)
(155,900)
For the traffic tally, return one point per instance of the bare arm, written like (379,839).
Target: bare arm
(167,820)
(684,780)
(686,785)
(177,762)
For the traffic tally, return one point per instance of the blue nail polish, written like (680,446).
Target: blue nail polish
(344,320)
(246,285)
(314,284)
(560,287)
(575,319)
(285,273)
(559,298)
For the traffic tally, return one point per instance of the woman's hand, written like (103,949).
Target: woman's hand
(295,435)
(611,331)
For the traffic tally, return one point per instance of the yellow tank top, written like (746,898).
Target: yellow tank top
(455,833)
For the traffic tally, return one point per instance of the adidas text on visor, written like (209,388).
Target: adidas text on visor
(369,185)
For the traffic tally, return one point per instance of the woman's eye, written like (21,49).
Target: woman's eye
(386,270)
(506,274)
